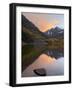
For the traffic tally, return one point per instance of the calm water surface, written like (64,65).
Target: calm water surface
(41,57)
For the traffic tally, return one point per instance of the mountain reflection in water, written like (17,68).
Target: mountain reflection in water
(41,57)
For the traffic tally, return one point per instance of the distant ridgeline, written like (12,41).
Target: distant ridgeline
(31,34)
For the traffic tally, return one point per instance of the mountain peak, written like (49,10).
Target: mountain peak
(57,27)
(55,32)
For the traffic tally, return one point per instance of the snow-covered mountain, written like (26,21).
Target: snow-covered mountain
(55,32)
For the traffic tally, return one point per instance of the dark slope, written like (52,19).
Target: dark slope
(30,33)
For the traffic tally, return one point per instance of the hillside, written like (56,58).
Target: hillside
(30,33)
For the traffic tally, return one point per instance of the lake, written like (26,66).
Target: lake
(41,60)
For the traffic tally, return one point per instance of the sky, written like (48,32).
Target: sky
(45,21)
